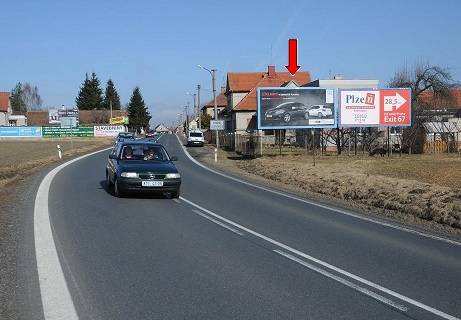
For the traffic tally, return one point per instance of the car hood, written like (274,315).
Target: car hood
(147,166)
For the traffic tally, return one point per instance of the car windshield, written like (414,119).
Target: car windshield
(145,152)
(126,135)
(195,134)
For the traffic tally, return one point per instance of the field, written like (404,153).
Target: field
(422,190)
(21,157)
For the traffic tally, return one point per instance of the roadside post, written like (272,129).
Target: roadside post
(59,151)
(217,125)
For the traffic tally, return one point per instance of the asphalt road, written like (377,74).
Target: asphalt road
(227,250)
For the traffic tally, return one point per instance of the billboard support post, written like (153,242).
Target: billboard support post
(313,146)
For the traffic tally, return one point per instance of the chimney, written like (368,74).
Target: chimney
(271,71)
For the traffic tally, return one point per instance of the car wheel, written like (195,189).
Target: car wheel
(175,194)
(320,115)
(117,192)
(108,182)
(286,117)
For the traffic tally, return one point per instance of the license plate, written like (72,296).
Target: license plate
(152,183)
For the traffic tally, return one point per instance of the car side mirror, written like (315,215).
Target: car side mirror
(174,158)
(112,156)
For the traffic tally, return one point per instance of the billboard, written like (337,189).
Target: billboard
(368,108)
(217,124)
(57,132)
(20,132)
(55,115)
(296,108)
(119,120)
(108,131)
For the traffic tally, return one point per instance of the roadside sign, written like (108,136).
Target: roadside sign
(296,108)
(20,132)
(217,124)
(396,107)
(56,132)
(108,131)
(368,108)
(119,120)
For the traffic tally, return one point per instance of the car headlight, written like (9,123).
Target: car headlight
(172,176)
(129,175)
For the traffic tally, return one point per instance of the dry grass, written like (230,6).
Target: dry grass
(424,186)
(21,157)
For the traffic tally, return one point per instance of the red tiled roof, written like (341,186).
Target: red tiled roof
(428,101)
(221,101)
(4,101)
(246,81)
(249,102)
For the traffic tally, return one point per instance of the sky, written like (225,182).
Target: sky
(157,45)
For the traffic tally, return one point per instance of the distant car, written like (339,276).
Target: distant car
(122,136)
(318,111)
(286,112)
(150,134)
(141,166)
(195,138)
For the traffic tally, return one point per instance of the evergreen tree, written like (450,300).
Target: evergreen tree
(82,100)
(138,113)
(17,99)
(90,95)
(111,95)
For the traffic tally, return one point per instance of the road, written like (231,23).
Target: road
(229,250)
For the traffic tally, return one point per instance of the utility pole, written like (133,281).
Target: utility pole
(187,118)
(110,104)
(198,107)
(213,80)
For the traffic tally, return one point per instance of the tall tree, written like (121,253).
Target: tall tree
(31,97)
(90,94)
(111,95)
(82,100)
(138,113)
(16,99)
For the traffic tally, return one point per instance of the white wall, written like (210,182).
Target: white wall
(242,119)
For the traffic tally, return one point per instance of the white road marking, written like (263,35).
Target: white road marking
(343,281)
(348,213)
(218,222)
(326,265)
(176,200)
(56,298)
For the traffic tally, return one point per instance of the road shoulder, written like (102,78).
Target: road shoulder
(227,165)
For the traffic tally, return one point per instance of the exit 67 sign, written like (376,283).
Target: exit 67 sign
(368,108)
(395,107)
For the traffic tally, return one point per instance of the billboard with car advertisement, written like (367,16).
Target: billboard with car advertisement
(368,108)
(296,108)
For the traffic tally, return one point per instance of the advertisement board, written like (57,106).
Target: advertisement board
(119,120)
(58,132)
(20,132)
(368,108)
(108,131)
(296,108)
(55,115)
(217,124)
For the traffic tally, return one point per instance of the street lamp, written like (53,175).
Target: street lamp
(213,80)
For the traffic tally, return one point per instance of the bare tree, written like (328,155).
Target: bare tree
(31,97)
(423,80)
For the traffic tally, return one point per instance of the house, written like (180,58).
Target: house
(221,104)
(5,108)
(161,128)
(241,93)
(17,120)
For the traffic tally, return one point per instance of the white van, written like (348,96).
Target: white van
(195,138)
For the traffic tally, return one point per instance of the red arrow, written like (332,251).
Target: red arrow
(292,56)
